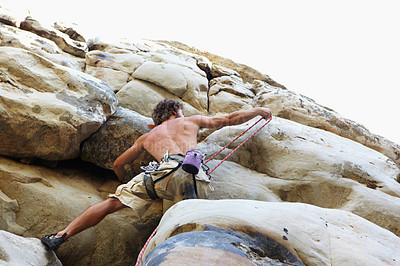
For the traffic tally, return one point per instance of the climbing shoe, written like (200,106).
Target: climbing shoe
(54,242)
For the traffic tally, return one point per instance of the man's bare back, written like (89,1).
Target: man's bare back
(175,136)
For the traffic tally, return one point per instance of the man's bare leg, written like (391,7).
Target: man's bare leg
(92,216)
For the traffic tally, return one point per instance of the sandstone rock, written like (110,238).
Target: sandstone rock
(264,233)
(16,250)
(47,110)
(127,63)
(288,150)
(233,181)
(114,137)
(114,78)
(248,74)
(228,94)
(114,69)
(14,37)
(7,17)
(49,199)
(218,71)
(72,33)
(142,96)
(62,40)
(8,209)
(178,80)
(295,107)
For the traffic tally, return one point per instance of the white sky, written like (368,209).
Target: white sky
(344,54)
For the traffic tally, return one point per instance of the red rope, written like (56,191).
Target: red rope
(239,145)
(232,141)
(145,246)
(155,230)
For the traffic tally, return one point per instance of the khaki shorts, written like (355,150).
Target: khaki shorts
(170,188)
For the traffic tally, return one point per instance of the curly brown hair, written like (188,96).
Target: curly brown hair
(164,109)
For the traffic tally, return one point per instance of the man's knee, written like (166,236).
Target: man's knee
(115,204)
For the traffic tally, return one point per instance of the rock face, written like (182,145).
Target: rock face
(48,110)
(45,200)
(311,188)
(268,233)
(16,250)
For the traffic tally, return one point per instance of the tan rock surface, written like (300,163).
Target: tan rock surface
(301,109)
(288,231)
(15,37)
(47,110)
(62,40)
(49,199)
(16,250)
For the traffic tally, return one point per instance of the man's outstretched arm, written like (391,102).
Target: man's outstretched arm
(232,119)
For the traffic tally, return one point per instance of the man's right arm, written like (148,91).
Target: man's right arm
(232,119)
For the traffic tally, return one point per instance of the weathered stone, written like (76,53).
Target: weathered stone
(265,233)
(127,63)
(233,181)
(114,69)
(47,110)
(72,33)
(114,137)
(295,107)
(14,37)
(114,78)
(62,40)
(247,73)
(16,250)
(218,71)
(288,150)
(7,17)
(8,209)
(49,199)
(142,96)
(178,80)
(228,94)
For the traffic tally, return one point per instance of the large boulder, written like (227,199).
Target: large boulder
(40,201)
(16,250)
(114,68)
(15,37)
(178,80)
(248,73)
(47,110)
(288,150)
(233,181)
(301,109)
(245,232)
(77,48)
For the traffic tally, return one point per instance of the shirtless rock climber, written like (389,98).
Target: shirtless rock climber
(172,136)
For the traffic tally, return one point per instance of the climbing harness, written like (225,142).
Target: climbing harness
(194,160)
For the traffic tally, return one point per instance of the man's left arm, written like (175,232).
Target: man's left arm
(128,156)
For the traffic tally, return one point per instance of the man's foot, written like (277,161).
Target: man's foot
(54,242)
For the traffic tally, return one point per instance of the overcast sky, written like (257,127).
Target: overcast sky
(342,53)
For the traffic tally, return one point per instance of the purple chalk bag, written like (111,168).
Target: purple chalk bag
(192,161)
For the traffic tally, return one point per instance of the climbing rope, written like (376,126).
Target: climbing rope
(145,246)
(223,160)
